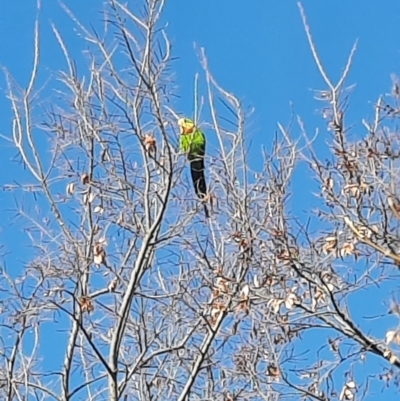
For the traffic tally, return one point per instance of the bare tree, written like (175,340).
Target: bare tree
(148,299)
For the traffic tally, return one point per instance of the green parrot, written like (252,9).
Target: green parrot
(193,143)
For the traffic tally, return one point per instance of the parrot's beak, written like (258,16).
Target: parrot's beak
(188,130)
(184,127)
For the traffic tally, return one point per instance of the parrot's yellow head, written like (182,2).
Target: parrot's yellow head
(186,126)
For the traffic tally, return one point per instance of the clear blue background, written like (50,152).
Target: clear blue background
(256,49)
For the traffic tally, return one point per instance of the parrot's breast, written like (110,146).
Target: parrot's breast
(193,143)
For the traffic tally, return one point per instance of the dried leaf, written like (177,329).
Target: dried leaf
(387,353)
(105,155)
(222,285)
(329,183)
(98,209)
(351,385)
(319,296)
(290,301)
(330,245)
(347,249)
(149,143)
(347,391)
(86,304)
(276,304)
(120,219)
(98,260)
(85,179)
(103,241)
(88,198)
(245,291)
(278,339)
(392,336)
(374,228)
(242,306)
(218,271)
(256,281)
(365,187)
(228,397)
(365,231)
(99,254)
(348,394)
(216,308)
(70,188)
(334,344)
(394,206)
(276,233)
(273,371)
(353,190)
(112,285)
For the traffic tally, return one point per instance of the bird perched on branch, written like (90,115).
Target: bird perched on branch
(193,143)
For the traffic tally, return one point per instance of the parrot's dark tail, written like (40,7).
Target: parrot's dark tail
(198,177)
(199,180)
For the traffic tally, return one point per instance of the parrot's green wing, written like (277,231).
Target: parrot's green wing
(197,168)
(194,145)
(184,143)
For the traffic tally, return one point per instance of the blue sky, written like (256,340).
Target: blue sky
(257,49)
(259,52)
